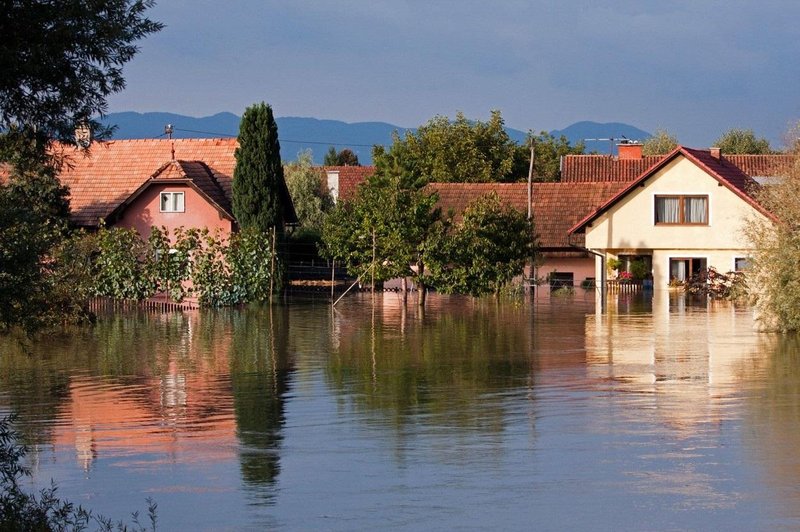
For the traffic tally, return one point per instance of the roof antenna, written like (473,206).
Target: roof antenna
(168,131)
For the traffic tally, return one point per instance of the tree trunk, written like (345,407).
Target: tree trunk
(420,284)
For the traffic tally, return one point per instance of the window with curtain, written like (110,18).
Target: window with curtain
(682,210)
(172,202)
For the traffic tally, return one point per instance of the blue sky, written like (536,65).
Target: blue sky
(693,67)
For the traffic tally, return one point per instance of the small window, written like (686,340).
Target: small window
(172,202)
(681,210)
(740,264)
(561,279)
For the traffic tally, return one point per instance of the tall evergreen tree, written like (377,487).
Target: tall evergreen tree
(258,173)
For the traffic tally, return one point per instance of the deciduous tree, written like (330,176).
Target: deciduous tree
(482,252)
(742,141)
(310,197)
(442,150)
(661,143)
(548,151)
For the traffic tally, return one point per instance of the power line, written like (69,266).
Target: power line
(279,139)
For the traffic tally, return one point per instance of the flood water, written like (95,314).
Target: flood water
(657,415)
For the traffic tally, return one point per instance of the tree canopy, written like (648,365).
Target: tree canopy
(661,143)
(258,173)
(60,62)
(310,197)
(742,141)
(484,251)
(345,157)
(442,150)
(548,151)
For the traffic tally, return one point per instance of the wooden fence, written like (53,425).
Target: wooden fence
(157,304)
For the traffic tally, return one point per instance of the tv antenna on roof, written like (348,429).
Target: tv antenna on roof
(168,129)
(622,139)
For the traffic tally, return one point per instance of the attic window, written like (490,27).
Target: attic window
(172,202)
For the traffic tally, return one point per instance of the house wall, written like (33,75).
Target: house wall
(143,212)
(629,227)
(581,267)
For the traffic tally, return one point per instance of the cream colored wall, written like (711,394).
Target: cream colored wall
(629,227)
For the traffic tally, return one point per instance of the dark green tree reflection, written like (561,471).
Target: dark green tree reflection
(260,377)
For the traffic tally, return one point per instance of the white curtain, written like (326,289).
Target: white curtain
(668,210)
(695,210)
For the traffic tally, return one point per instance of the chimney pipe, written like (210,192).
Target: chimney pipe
(629,151)
(716,153)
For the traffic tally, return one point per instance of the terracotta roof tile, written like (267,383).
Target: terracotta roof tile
(556,206)
(584,168)
(111,171)
(350,177)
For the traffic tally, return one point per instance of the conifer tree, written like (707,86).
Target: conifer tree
(258,173)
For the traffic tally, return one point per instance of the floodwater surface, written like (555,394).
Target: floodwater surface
(662,414)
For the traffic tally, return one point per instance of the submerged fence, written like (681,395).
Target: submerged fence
(156,304)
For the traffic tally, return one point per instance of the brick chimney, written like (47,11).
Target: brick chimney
(716,153)
(629,150)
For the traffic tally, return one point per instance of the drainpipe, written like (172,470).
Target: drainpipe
(603,291)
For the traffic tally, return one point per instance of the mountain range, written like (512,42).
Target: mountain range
(299,133)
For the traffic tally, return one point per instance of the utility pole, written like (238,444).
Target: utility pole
(530,179)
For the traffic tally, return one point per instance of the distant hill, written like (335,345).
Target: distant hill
(298,134)
(581,131)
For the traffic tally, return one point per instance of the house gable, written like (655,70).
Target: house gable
(628,220)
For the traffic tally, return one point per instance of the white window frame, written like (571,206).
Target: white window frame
(172,203)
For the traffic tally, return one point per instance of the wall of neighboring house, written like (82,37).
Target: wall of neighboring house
(581,268)
(629,227)
(145,212)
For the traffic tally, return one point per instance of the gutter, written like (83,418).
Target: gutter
(603,280)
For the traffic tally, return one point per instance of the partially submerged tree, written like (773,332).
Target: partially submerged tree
(442,150)
(773,272)
(59,61)
(258,173)
(482,252)
(742,141)
(661,143)
(382,232)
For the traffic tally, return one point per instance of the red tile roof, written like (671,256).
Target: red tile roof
(726,173)
(559,206)
(585,168)
(101,180)
(556,206)
(350,177)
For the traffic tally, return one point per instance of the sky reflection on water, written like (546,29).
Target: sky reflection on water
(659,414)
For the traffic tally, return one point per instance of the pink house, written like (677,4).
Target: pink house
(156,182)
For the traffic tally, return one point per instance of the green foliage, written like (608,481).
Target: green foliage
(122,265)
(258,174)
(345,157)
(484,251)
(190,262)
(661,143)
(20,510)
(639,269)
(59,63)
(309,195)
(547,151)
(742,141)
(386,220)
(61,60)
(613,264)
(773,273)
(32,221)
(450,151)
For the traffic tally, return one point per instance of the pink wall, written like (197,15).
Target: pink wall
(144,213)
(581,268)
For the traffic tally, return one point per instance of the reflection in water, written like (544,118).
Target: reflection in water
(660,413)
